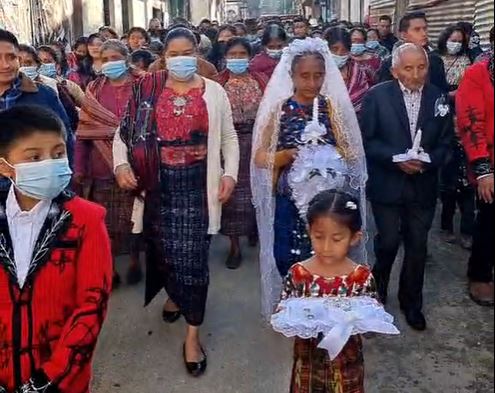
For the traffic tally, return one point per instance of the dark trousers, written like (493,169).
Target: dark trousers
(483,254)
(465,199)
(408,222)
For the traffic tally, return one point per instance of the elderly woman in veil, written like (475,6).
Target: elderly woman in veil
(306,140)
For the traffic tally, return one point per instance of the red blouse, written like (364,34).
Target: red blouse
(182,123)
(300,282)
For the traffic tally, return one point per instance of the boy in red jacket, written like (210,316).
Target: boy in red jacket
(475,116)
(55,261)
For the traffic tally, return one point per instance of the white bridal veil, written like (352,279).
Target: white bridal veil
(266,132)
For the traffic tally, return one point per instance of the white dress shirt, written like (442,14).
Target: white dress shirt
(24,227)
(412,100)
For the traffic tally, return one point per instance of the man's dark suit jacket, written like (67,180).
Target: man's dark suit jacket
(386,132)
(436,73)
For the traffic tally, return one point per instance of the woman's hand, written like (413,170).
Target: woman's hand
(285,157)
(227,185)
(126,178)
(486,188)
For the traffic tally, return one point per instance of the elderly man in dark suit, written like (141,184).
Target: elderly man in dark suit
(403,190)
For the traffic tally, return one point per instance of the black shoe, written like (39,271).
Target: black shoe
(116,280)
(134,276)
(415,319)
(171,316)
(253,241)
(196,369)
(234,261)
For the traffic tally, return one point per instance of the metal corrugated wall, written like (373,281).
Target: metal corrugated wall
(444,13)
(484,19)
(381,7)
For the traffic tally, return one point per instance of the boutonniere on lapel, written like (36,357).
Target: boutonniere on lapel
(442,107)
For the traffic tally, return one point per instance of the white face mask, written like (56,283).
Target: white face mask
(454,47)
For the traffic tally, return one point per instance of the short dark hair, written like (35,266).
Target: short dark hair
(339,205)
(239,41)
(53,53)
(405,21)
(333,35)
(240,25)
(93,37)
(359,30)
(223,28)
(179,32)
(109,29)
(80,41)
(142,55)
(445,35)
(374,30)
(299,19)
(24,120)
(385,17)
(466,26)
(31,51)
(271,31)
(140,30)
(7,36)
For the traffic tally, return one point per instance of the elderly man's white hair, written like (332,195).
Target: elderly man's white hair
(407,47)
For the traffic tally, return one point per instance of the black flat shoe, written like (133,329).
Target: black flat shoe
(234,261)
(134,276)
(196,369)
(415,319)
(171,316)
(116,280)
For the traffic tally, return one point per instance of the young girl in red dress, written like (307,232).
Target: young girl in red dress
(334,227)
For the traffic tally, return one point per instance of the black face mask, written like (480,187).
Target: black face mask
(220,47)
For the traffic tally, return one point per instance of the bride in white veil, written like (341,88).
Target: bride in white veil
(298,151)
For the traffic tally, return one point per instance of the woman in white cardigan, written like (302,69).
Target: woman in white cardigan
(171,145)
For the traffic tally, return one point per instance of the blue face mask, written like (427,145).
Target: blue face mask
(358,49)
(30,72)
(182,68)
(341,61)
(49,70)
(237,66)
(275,53)
(372,44)
(114,70)
(43,180)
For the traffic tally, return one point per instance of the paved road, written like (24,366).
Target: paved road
(138,353)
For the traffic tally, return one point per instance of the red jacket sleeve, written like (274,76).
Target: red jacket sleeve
(472,116)
(72,356)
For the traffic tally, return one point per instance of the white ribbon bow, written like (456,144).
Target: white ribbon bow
(346,322)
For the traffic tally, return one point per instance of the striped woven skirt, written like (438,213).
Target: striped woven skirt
(238,215)
(179,240)
(118,204)
(314,372)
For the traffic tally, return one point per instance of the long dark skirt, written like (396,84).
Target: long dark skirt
(314,372)
(291,243)
(176,231)
(119,205)
(238,215)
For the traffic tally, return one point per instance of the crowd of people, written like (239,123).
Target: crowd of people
(276,131)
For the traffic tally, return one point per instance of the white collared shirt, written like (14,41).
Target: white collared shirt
(24,227)
(412,100)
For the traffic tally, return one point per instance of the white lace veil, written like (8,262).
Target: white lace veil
(266,132)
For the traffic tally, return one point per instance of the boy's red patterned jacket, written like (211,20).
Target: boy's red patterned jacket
(475,117)
(51,325)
